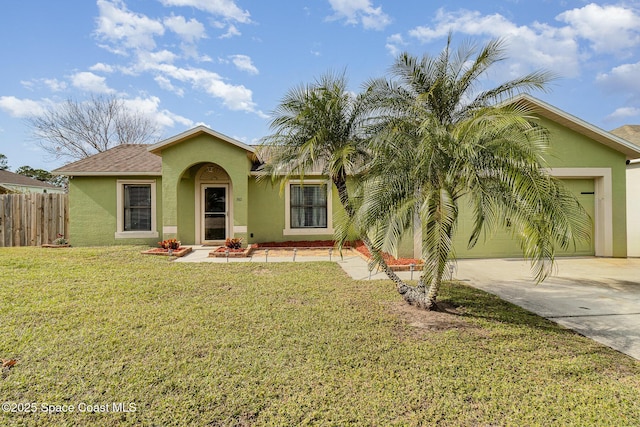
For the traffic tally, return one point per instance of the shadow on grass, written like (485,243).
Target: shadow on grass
(479,304)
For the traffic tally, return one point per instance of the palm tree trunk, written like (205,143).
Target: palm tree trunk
(413,295)
(434,289)
(343,195)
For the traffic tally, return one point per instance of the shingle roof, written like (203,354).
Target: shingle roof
(7,177)
(134,159)
(629,132)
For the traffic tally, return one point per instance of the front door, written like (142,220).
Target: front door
(215,211)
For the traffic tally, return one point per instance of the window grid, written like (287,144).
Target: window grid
(308,205)
(137,207)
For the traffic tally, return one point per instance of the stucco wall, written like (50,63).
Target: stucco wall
(92,211)
(267,213)
(572,150)
(180,161)
(568,149)
(633,210)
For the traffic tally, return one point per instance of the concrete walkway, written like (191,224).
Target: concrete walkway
(356,267)
(597,297)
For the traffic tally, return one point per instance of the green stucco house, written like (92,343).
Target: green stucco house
(201,187)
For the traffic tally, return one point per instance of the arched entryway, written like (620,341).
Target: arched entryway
(214,207)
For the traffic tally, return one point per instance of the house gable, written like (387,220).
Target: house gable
(562,118)
(199,130)
(183,159)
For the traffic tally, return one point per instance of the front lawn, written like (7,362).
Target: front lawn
(282,344)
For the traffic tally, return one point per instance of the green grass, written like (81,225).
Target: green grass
(283,344)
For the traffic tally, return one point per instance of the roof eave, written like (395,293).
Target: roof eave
(117,173)
(572,122)
(158,147)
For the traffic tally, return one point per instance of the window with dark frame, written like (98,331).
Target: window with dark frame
(137,207)
(308,205)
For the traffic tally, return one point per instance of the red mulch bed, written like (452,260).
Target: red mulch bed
(224,249)
(181,251)
(299,244)
(359,246)
(162,250)
(388,258)
(233,253)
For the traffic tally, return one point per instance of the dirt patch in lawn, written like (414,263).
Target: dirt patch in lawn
(422,321)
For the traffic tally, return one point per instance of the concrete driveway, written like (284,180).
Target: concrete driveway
(597,297)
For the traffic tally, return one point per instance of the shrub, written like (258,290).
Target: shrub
(233,243)
(169,244)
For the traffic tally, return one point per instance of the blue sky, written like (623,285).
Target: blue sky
(227,63)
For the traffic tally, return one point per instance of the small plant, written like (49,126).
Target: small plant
(60,240)
(233,243)
(169,244)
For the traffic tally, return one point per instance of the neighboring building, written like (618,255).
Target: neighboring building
(632,133)
(15,183)
(201,187)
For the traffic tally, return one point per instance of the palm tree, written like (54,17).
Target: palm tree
(439,141)
(321,127)
(317,126)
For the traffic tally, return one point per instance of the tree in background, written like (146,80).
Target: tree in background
(42,175)
(4,164)
(75,130)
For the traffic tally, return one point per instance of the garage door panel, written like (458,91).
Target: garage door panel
(584,190)
(503,244)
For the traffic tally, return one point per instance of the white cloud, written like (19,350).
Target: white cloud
(166,84)
(21,108)
(102,68)
(605,28)
(151,107)
(234,97)
(189,31)
(148,60)
(28,84)
(393,44)
(360,11)
(125,29)
(623,78)
(231,32)
(244,63)
(55,85)
(529,47)
(224,8)
(129,33)
(90,82)
(624,113)
(608,28)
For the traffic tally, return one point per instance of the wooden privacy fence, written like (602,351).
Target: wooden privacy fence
(33,219)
